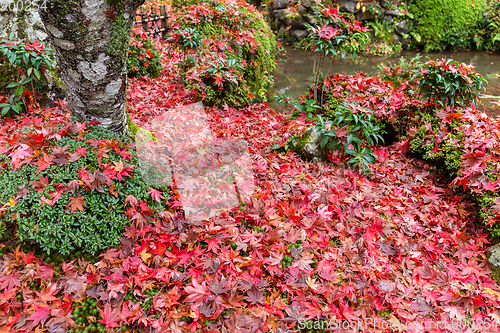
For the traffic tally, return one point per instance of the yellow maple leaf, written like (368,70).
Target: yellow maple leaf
(491,292)
(118,166)
(145,255)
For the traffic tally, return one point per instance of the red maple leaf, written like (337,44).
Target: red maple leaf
(20,154)
(156,195)
(44,163)
(110,318)
(131,200)
(40,316)
(196,293)
(81,151)
(9,281)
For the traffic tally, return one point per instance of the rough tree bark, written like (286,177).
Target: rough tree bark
(90,38)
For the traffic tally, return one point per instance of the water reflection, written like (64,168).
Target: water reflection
(296,65)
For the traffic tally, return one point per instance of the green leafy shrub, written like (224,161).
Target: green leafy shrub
(401,72)
(144,58)
(493,26)
(336,35)
(448,82)
(446,23)
(350,132)
(22,68)
(229,51)
(72,194)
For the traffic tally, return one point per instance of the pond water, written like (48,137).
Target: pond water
(295,67)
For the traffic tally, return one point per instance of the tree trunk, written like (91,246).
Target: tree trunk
(90,38)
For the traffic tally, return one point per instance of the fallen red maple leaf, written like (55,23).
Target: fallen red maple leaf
(40,316)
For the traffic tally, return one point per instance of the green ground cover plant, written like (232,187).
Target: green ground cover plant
(68,192)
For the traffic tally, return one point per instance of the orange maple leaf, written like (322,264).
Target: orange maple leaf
(76,203)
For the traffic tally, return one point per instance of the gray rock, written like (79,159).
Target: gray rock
(296,21)
(276,23)
(389,19)
(281,32)
(303,10)
(280,4)
(395,12)
(310,19)
(289,36)
(307,3)
(397,39)
(300,34)
(402,27)
(273,25)
(281,14)
(308,146)
(348,6)
(494,255)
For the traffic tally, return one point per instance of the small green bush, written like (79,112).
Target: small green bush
(493,26)
(22,68)
(229,51)
(41,203)
(449,82)
(399,73)
(144,58)
(446,23)
(351,132)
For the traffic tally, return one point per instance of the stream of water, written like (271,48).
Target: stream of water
(295,67)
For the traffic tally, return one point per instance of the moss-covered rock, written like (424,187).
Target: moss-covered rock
(493,255)
(446,23)
(307,146)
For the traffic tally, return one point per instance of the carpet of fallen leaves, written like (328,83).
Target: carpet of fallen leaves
(316,241)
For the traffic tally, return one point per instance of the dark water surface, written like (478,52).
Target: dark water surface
(295,67)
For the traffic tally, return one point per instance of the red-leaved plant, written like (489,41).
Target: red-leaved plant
(336,35)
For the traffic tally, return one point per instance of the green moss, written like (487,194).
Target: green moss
(495,273)
(445,154)
(446,23)
(134,129)
(120,36)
